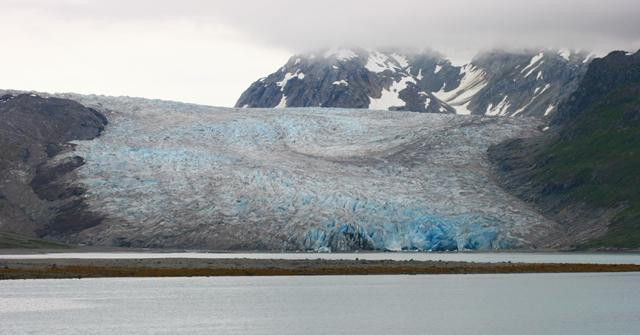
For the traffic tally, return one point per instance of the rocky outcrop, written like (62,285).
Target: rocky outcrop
(527,83)
(354,79)
(532,83)
(37,163)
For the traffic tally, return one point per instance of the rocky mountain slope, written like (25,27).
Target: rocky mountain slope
(37,162)
(586,176)
(166,174)
(528,83)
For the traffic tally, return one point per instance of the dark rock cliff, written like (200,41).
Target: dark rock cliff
(37,161)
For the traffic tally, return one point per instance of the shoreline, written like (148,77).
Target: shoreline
(106,249)
(189,267)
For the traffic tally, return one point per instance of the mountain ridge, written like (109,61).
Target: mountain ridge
(527,83)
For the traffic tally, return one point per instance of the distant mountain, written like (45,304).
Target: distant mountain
(529,83)
(586,176)
(356,79)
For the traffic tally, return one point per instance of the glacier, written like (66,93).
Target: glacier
(167,174)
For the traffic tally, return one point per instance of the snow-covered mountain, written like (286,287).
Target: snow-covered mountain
(528,83)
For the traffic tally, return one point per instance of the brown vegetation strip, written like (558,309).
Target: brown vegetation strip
(312,268)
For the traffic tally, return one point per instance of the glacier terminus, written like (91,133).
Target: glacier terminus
(166,174)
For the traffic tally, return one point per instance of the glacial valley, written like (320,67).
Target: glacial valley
(167,174)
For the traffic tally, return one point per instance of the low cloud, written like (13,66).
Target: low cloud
(209,51)
(457,26)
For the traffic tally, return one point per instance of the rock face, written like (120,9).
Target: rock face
(531,83)
(355,79)
(35,196)
(167,174)
(584,173)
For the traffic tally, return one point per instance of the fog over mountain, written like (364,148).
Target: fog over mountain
(209,52)
(457,24)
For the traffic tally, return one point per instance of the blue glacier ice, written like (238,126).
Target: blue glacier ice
(179,175)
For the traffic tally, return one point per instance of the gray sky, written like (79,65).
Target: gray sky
(210,51)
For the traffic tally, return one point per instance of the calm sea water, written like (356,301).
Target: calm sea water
(438,304)
(531,257)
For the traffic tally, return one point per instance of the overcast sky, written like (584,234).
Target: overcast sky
(208,51)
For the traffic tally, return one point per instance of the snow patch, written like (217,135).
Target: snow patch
(500,109)
(288,76)
(283,83)
(419,76)
(391,97)
(283,102)
(534,60)
(473,80)
(463,109)
(565,53)
(402,60)
(341,82)
(549,110)
(536,93)
(521,109)
(533,69)
(340,54)
(437,69)
(427,100)
(379,62)
(546,87)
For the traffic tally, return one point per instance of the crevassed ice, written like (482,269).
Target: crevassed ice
(170,174)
